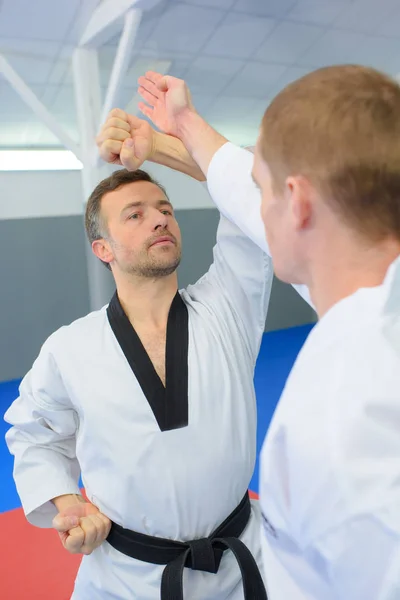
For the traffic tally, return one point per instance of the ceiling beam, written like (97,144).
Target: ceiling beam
(38,108)
(121,61)
(107,20)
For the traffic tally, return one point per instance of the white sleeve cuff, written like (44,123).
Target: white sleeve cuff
(37,505)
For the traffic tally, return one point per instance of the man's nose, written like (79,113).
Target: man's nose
(160,220)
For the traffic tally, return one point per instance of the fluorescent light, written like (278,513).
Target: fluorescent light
(39,160)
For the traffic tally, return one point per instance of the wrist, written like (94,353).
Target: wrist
(201,140)
(189,125)
(158,146)
(169,151)
(63,502)
(155,144)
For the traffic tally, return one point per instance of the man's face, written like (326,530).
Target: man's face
(143,235)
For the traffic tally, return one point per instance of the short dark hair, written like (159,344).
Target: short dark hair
(95,226)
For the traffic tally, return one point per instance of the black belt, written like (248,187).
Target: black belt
(200,555)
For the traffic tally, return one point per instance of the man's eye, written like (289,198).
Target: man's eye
(166,212)
(135,216)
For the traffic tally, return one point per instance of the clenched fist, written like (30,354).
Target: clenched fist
(82,528)
(125,140)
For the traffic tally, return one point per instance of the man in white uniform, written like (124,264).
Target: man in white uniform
(327,164)
(152,399)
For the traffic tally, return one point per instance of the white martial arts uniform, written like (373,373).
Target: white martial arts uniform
(81,407)
(330,464)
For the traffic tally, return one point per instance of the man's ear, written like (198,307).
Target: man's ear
(301,195)
(101,248)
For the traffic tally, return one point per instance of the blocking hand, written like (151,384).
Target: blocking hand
(82,528)
(125,140)
(168,101)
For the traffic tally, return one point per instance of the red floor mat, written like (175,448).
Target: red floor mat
(34,565)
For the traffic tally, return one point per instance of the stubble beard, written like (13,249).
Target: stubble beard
(154,267)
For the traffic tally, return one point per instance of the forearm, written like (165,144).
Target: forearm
(41,473)
(200,139)
(170,152)
(63,502)
(41,477)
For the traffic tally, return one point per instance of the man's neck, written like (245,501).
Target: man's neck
(344,266)
(147,302)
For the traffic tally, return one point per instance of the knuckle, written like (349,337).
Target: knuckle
(116,134)
(89,529)
(72,548)
(109,147)
(108,133)
(118,123)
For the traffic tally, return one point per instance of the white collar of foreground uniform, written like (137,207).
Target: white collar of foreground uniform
(392,288)
(359,308)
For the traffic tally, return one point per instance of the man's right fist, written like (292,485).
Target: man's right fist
(82,528)
(125,140)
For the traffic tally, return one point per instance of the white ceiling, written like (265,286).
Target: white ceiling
(234,54)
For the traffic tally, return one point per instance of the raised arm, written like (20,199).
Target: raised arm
(128,141)
(238,282)
(170,107)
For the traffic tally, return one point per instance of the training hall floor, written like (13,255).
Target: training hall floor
(34,566)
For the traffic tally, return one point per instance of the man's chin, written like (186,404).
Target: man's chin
(162,269)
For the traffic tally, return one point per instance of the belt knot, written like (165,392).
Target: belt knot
(202,556)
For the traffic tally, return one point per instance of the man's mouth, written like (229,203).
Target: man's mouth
(164,241)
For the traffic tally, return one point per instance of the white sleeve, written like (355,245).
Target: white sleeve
(357,560)
(362,551)
(42,440)
(238,198)
(238,284)
(362,556)
(348,514)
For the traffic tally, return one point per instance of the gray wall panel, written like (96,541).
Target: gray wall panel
(198,228)
(43,285)
(287,308)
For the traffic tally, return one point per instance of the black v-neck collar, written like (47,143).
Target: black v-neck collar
(169,404)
